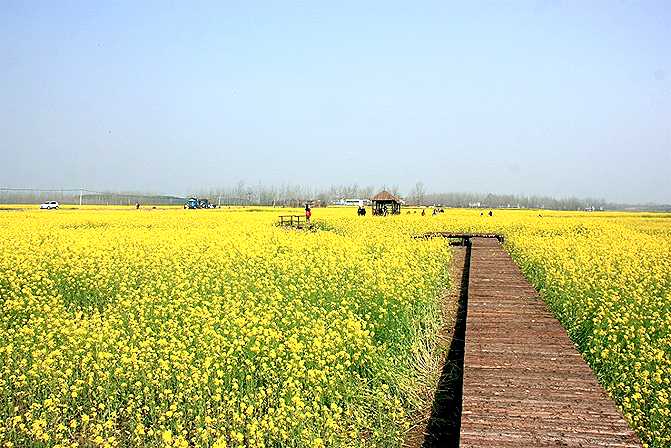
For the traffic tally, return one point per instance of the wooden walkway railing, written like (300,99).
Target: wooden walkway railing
(461,236)
(525,384)
(296,221)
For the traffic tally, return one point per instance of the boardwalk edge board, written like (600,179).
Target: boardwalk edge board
(525,384)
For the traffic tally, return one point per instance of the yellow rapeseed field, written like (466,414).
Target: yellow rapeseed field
(210,328)
(217,328)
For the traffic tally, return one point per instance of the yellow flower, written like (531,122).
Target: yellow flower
(166,436)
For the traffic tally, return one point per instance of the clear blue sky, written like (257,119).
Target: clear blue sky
(558,98)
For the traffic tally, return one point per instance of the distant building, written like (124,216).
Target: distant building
(352,202)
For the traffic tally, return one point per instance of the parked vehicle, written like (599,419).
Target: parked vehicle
(49,205)
(194,203)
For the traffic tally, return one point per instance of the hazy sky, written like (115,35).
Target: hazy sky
(558,98)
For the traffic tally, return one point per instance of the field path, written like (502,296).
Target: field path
(525,384)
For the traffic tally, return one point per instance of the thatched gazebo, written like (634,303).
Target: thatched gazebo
(385,203)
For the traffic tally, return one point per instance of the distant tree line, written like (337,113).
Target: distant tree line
(287,195)
(296,195)
(515,201)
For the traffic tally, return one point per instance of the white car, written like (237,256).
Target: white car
(49,205)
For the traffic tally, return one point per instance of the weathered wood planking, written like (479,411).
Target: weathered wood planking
(525,384)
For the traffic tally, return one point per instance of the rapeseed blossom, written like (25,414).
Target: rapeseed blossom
(217,328)
(173,328)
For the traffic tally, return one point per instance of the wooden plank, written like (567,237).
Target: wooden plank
(525,384)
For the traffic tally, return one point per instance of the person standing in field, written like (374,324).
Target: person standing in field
(308,213)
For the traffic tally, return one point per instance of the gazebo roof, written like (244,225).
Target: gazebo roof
(385,196)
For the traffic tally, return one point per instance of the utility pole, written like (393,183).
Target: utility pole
(81,193)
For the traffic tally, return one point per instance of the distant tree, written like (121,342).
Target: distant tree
(417,194)
(419,191)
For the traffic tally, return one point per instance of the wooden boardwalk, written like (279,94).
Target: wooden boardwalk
(525,384)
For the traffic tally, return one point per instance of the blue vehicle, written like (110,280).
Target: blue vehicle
(194,203)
